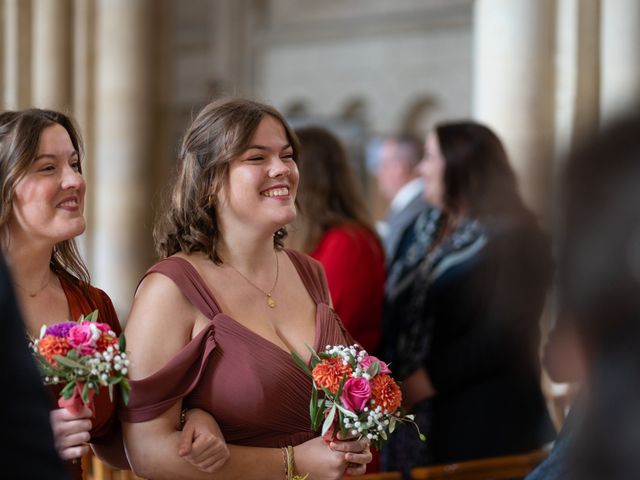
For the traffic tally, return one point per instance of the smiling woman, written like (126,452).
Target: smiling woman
(224,348)
(40,215)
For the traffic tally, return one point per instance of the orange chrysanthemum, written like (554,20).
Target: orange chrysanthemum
(329,373)
(51,345)
(386,393)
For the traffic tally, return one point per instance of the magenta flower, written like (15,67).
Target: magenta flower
(81,338)
(355,394)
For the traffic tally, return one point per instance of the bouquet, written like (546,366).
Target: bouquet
(354,393)
(84,355)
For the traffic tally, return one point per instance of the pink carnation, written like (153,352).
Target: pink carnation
(80,337)
(367,361)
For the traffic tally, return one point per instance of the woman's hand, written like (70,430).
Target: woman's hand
(71,432)
(332,461)
(202,443)
(356,452)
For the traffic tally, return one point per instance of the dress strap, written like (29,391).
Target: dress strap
(312,274)
(190,283)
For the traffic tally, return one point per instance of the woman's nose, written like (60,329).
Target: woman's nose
(279,168)
(72,178)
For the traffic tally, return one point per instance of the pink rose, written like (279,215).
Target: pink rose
(355,394)
(367,361)
(80,337)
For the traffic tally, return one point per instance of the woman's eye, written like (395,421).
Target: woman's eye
(76,166)
(47,168)
(255,159)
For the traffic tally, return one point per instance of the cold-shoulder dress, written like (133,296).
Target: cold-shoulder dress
(252,387)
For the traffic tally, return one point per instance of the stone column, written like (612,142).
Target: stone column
(16,42)
(620,77)
(82,100)
(124,140)
(51,58)
(513,87)
(577,74)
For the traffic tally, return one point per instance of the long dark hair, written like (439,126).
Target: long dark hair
(20,133)
(478,177)
(329,192)
(221,132)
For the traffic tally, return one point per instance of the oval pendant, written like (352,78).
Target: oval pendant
(271,302)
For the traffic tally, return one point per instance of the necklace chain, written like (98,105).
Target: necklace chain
(270,301)
(34,293)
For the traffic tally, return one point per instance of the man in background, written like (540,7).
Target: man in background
(401,185)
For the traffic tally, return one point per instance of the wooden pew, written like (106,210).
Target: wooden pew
(509,466)
(379,476)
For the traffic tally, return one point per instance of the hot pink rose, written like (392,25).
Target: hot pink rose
(81,338)
(355,394)
(367,361)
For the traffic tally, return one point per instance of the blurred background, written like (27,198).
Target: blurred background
(542,73)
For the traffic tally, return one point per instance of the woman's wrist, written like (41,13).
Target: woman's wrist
(290,471)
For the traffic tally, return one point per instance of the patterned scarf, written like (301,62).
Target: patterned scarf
(418,272)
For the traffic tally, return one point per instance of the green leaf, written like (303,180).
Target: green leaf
(122,341)
(301,363)
(346,412)
(392,424)
(111,392)
(85,393)
(315,421)
(342,382)
(329,420)
(374,369)
(92,317)
(68,362)
(313,403)
(315,359)
(67,391)
(125,389)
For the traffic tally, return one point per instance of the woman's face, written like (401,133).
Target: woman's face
(48,202)
(432,169)
(262,183)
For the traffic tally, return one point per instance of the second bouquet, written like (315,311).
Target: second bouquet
(84,356)
(353,394)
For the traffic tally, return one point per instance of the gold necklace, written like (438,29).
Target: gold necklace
(34,293)
(270,301)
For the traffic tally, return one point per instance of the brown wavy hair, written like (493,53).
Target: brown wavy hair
(329,192)
(20,133)
(221,132)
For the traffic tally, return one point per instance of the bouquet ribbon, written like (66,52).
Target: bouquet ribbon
(75,404)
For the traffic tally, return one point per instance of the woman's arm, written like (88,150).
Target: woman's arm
(161,323)
(112,454)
